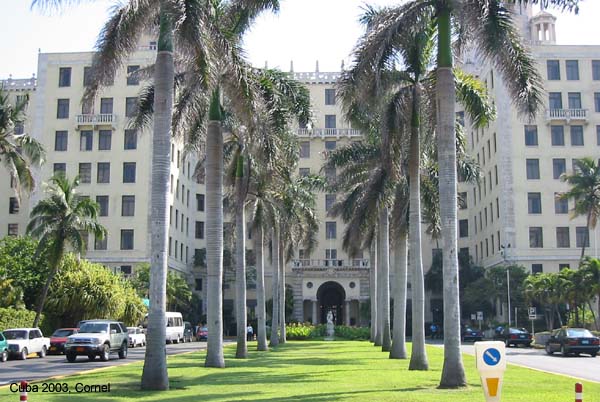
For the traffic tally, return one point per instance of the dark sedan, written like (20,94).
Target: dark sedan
(515,336)
(573,341)
(470,334)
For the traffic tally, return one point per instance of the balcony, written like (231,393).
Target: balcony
(328,132)
(96,120)
(333,264)
(566,115)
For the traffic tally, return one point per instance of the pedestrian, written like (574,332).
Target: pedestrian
(249,333)
(433,329)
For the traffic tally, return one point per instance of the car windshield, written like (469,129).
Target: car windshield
(62,333)
(203,329)
(517,331)
(15,335)
(94,328)
(579,332)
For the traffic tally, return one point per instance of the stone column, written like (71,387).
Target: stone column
(360,321)
(315,312)
(347,312)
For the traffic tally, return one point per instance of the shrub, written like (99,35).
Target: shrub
(298,332)
(352,333)
(304,331)
(20,318)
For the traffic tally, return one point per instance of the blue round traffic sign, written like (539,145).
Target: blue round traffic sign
(491,356)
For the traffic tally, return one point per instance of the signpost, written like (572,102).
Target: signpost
(532,316)
(480,318)
(490,358)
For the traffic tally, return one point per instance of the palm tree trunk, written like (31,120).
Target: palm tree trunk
(261,330)
(418,357)
(379,331)
(453,372)
(214,235)
(59,246)
(373,289)
(384,263)
(240,274)
(588,219)
(155,375)
(275,286)
(282,337)
(400,265)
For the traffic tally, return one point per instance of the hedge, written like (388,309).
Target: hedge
(21,318)
(308,331)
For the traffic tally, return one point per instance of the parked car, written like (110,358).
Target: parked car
(174,332)
(470,334)
(573,340)
(23,341)
(59,338)
(202,334)
(136,336)
(98,338)
(3,348)
(188,332)
(514,336)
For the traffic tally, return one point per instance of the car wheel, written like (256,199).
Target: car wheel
(4,356)
(71,357)
(105,353)
(91,357)
(123,351)
(176,340)
(563,351)
(593,354)
(507,343)
(528,345)
(42,354)
(549,350)
(24,354)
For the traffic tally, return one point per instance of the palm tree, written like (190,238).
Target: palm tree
(62,221)
(18,151)
(585,190)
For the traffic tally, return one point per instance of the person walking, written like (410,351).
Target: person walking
(249,333)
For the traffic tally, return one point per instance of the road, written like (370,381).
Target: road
(35,368)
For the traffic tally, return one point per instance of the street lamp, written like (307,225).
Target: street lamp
(505,258)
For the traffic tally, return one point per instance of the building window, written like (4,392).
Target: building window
(597,102)
(463,227)
(537,268)
(574,162)
(62,109)
(330,145)
(101,244)
(87,107)
(559,166)
(128,172)
(572,70)
(126,269)
(596,70)
(330,230)
(463,200)
(330,121)
(597,135)
(330,175)
(104,140)
(303,172)
(577,135)
(106,106)
(128,205)
(536,239)
(64,77)
(562,237)
(558,135)
(87,76)
(582,236)
(19,128)
(132,79)
(126,239)
(85,172)
(531,135)
(13,205)
(330,257)
(60,168)
(330,96)
(329,201)
(130,139)
(61,139)
(198,284)
(553,68)
(534,203)
(102,201)
(533,169)
(13,229)
(574,100)
(199,202)
(563,266)
(555,100)
(561,205)
(131,106)
(305,149)
(86,140)
(199,230)
(103,175)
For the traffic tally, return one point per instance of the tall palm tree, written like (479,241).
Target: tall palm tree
(17,151)
(62,221)
(585,190)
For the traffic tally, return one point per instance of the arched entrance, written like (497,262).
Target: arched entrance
(331,296)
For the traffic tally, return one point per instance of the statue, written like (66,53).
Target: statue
(329,318)
(330,326)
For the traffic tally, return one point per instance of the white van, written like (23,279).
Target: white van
(174,326)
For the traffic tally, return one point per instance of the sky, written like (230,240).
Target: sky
(303,31)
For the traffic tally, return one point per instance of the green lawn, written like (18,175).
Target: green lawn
(315,371)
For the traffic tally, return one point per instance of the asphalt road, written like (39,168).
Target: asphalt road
(584,366)
(35,368)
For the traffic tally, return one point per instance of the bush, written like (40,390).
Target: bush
(298,332)
(20,318)
(304,331)
(352,333)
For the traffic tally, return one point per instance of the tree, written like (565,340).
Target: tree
(179,293)
(61,221)
(585,190)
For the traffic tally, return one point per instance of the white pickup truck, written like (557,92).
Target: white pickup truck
(23,341)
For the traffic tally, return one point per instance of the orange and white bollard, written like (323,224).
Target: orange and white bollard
(23,391)
(578,392)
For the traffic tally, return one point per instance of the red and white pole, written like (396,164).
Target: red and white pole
(23,391)
(578,392)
